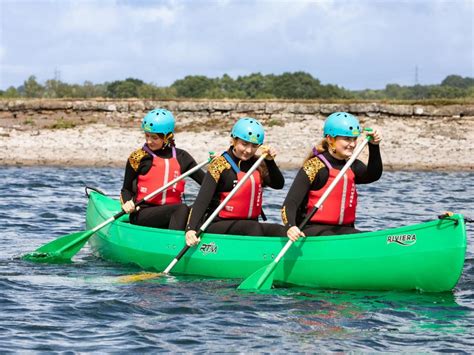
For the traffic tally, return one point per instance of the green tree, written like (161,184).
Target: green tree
(89,90)
(10,93)
(458,82)
(194,86)
(57,89)
(31,88)
(445,92)
(151,91)
(124,88)
(335,92)
(298,85)
(255,85)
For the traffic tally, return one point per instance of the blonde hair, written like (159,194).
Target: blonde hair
(169,140)
(321,147)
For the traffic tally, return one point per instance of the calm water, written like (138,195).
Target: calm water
(79,307)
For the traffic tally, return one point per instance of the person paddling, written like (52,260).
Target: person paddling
(240,215)
(152,166)
(337,214)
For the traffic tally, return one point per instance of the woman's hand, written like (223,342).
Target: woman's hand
(128,206)
(376,137)
(191,239)
(269,151)
(294,233)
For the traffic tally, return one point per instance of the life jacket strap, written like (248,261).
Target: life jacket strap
(231,162)
(149,151)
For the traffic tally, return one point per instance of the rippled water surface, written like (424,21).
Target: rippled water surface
(80,307)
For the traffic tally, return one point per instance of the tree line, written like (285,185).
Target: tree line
(291,86)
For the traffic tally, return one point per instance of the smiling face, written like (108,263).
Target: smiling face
(244,150)
(154,141)
(342,147)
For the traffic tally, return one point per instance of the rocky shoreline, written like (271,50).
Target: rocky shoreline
(104,132)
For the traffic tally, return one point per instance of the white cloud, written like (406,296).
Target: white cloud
(87,17)
(163,15)
(352,43)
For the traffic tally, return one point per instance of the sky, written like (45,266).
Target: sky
(355,44)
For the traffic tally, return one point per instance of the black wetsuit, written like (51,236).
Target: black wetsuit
(166,216)
(294,206)
(221,178)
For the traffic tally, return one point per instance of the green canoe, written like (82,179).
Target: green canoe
(427,256)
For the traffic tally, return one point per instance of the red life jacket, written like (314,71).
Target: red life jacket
(339,208)
(247,202)
(161,172)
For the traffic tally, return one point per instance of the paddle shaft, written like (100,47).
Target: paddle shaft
(216,212)
(339,176)
(140,202)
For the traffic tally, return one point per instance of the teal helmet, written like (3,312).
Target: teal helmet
(249,130)
(341,124)
(158,120)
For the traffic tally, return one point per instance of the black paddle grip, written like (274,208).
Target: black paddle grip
(182,252)
(307,218)
(119,214)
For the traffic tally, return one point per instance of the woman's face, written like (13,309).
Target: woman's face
(244,150)
(154,141)
(343,146)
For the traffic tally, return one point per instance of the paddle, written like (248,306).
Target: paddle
(151,275)
(65,247)
(262,279)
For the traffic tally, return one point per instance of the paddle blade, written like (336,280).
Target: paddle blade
(262,279)
(143,276)
(60,250)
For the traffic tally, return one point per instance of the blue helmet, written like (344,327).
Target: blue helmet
(158,120)
(249,130)
(341,124)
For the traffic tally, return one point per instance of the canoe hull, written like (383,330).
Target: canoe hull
(427,256)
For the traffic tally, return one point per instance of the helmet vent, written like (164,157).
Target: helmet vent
(248,129)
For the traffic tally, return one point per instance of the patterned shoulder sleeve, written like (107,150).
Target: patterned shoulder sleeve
(136,157)
(217,166)
(311,168)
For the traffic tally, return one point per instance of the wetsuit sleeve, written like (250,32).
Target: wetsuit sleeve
(365,174)
(296,194)
(202,202)
(274,178)
(127,193)
(187,162)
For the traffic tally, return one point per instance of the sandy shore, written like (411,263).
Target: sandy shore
(418,144)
